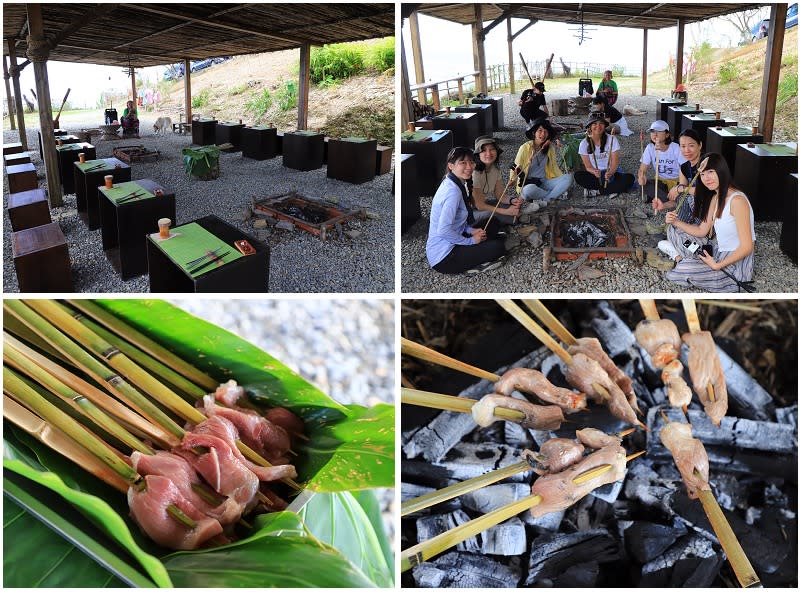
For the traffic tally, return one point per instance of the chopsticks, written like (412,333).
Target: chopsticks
(95,167)
(214,259)
(199,259)
(131,196)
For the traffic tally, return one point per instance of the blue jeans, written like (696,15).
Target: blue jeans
(549,189)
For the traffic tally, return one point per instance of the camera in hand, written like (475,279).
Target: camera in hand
(693,246)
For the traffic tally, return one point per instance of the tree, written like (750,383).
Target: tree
(744,21)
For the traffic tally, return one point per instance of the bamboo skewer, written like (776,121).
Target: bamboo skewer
(641,149)
(432,547)
(451,403)
(446,493)
(511,177)
(425,353)
(693,321)
(542,335)
(550,321)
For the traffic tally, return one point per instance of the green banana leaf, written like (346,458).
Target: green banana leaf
(339,429)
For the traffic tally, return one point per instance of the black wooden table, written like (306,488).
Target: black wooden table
(675,117)
(498,119)
(259,142)
(204,131)
(303,150)
(67,154)
(701,122)
(662,106)
(410,210)
(229,132)
(431,148)
(351,159)
(724,141)
(463,125)
(761,172)
(484,113)
(87,184)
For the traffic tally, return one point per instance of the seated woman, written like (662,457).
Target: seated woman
(664,156)
(532,103)
(537,165)
(608,88)
(691,149)
(619,125)
(600,155)
(130,121)
(721,206)
(487,183)
(455,243)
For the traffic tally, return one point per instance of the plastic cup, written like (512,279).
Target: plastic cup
(411,128)
(163,227)
(81,157)
(718,115)
(60,142)
(755,130)
(109,181)
(697,106)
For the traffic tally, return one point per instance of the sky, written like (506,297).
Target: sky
(447,47)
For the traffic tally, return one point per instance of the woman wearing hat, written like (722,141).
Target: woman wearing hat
(537,165)
(532,103)
(487,183)
(729,266)
(663,155)
(600,155)
(456,244)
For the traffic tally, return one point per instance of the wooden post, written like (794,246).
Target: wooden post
(132,72)
(644,62)
(416,51)
(303,88)
(460,91)
(12,112)
(38,52)
(510,41)
(187,90)
(12,59)
(772,70)
(478,53)
(679,55)
(406,103)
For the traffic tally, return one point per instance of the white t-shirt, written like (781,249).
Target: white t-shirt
(669,162)
(612,145)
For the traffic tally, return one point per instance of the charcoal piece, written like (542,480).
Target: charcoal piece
(411,490)
(465,570)
(647,540)
(431,526)
(492,497)
(467,460)
(507,538)
(608,492)
(787,415)
(642,483)
(578,576)
(728,490)
(766,549)
(552,554)
(425,473)
(515,435)
(744,433)
(614,333)
(691,514)
(584,234)
(776,498)
(434,440)
(691,562)
(549,522)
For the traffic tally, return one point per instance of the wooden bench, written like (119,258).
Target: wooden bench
(41,259)
(21,177)
(383,159)
(28,209)
(15,159)
(12,148)
(182,127)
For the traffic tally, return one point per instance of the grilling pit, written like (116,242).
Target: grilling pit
(591,233)
(640,531)
(311,215)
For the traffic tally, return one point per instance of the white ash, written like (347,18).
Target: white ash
(299,261)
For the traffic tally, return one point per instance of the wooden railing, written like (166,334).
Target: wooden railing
(434,88)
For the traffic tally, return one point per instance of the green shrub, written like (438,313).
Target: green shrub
(237,90)
(728,72)
(702,53)
(201,99)
(787,88)
(380,56)
(286,96)
(337,60)
(259,104)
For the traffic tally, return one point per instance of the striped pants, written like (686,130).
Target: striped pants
(694,273)
(677,237)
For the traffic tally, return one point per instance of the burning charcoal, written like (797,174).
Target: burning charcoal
(644,484)
(691,563)
(584,234)
(647,540)
(553,554)
(787,415)
(430,526)
(608,492)
(507,538)
(465,570)
(466,461)
(490,498)
(743,433)
(613,332)
(515,435)
(729,491)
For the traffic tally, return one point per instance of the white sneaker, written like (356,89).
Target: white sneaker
(666,247)
(613,195)
(564,195)
(531,207)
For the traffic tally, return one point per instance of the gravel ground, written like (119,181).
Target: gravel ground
(774,271)
(299,262)
(345,347)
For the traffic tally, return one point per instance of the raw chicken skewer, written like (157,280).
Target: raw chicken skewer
(705,367)
(583,372)
(523,379)
(660,339)
(490,408)
(692,462)
(589,346)
(593,478)
(446,493)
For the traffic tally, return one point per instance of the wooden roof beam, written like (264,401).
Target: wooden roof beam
(150,8)
(508,13)
(642,13)
(93,13)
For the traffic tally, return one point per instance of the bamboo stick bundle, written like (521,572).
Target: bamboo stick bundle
(432,547)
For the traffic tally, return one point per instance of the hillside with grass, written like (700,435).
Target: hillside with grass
(352,90)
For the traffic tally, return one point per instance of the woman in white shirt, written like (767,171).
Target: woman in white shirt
(600,155)
(663,155)
(717,203)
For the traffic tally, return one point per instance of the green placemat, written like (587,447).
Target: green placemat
(354,139)
(422,135)
(93,166)
(738,131)
(261,127)
(305,133)
(205,119)
(191,241)
(705,116)
(454,115)
(778,149)
(75,146)
(125,190)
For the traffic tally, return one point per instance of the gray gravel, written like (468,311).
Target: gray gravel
(300,262)
(345,347)
(522,272)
